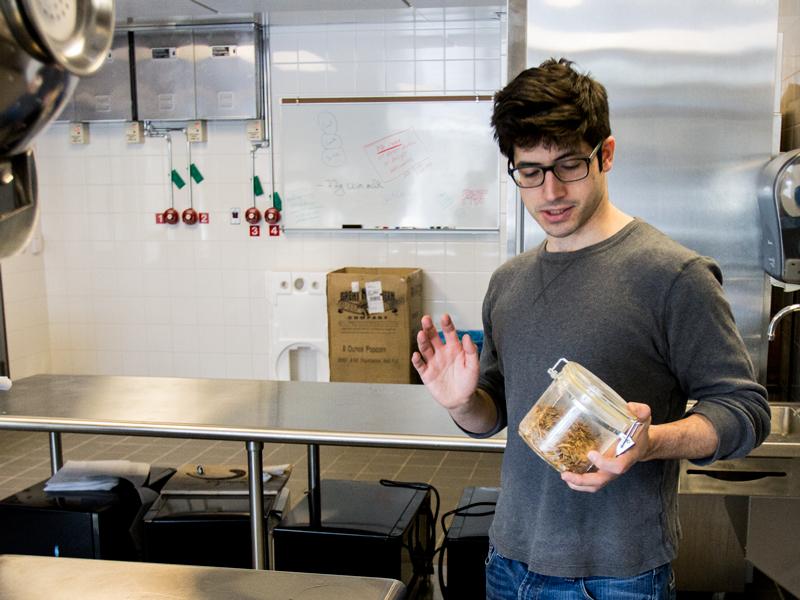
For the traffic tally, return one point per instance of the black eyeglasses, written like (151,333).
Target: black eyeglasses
(566,170)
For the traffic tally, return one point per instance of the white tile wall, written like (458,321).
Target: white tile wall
(114,293)
(28,331)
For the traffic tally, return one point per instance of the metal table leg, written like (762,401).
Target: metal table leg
(314,496)
(255,474)
(56,453)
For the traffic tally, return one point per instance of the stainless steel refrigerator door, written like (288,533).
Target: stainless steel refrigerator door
(691,92)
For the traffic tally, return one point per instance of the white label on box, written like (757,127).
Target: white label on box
(354,287)
(374,297)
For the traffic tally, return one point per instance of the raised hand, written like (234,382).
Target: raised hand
(448,369)
(609,467)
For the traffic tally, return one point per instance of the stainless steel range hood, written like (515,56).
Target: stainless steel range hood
(140,12)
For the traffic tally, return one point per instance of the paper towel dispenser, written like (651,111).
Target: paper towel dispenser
(779,205)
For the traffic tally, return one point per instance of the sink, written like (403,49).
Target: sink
(785,421)
(784,436)
(769,469)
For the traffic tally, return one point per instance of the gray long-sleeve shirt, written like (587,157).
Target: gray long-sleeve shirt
(649,317)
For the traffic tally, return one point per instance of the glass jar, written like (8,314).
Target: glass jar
(577,413)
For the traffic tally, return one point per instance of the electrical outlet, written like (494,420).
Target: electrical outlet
(236,216)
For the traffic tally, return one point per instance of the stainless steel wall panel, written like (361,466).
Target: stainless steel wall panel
(106,95)
(165,85)
(67,114)
(691,91)
(227,72)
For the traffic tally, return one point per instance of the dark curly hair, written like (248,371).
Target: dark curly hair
(551,105)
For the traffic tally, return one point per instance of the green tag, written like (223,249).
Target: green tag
(276,201)
(257,189)
(195,173)
(177,179)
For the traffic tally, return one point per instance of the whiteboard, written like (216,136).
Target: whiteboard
(424,165)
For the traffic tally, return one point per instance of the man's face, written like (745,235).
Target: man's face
(569,213)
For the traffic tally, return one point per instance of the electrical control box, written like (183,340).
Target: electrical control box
(467,545)
(79,134)
(366,529)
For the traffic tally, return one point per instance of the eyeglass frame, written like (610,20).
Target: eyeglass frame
(551,168)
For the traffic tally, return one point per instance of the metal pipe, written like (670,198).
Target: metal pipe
(56,452)
(778,316)
(189,167)
(314,495)
(170,168)
(217,432)
(163,132)
(268,108)
(253,173)
(254,147)
(255,475)
(517,35)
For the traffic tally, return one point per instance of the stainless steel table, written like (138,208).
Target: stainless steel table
(253,412)
(46,577)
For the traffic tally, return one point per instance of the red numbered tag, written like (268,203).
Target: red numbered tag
(255,230)
(204,217)
(159,218)
(274,230)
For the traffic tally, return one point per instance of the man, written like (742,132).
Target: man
(640,311)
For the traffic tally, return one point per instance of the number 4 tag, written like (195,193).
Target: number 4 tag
(274,230)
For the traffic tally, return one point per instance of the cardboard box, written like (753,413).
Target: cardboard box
(373,318)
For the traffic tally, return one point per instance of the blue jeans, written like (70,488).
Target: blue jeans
(508,579)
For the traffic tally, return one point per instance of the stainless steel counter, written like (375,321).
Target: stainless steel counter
(44,577)
(253,412)
(353,414)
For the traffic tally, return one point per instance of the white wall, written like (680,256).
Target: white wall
(126,296)
(25,307)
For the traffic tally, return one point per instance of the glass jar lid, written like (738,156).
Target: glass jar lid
(593,396)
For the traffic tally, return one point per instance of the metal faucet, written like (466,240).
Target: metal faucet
(778,316)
